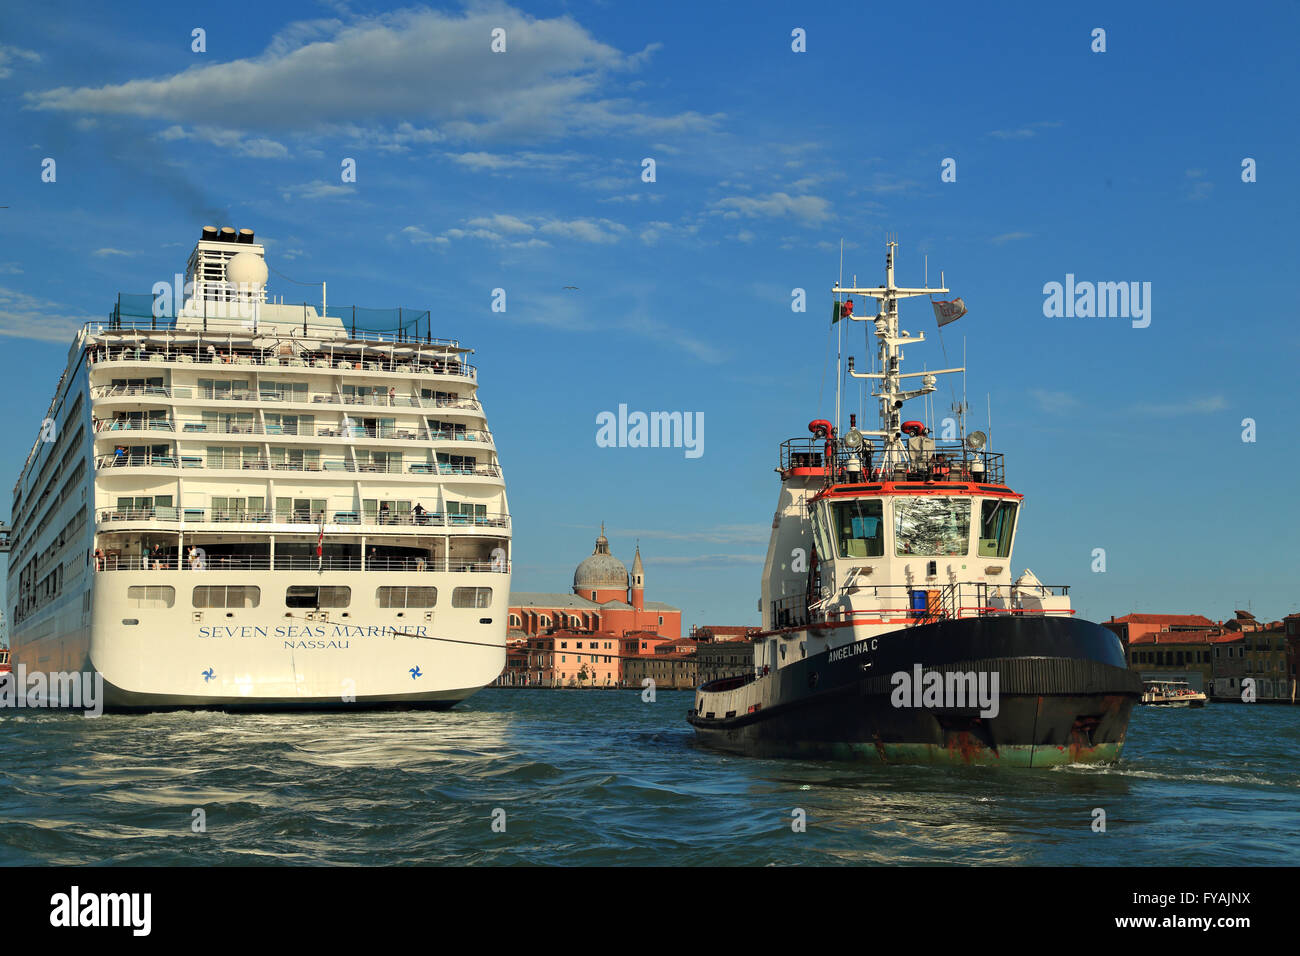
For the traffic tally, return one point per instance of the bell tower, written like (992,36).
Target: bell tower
(638,582)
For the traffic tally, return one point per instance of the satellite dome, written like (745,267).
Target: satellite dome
(246,268)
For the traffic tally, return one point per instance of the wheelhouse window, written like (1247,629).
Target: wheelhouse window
(932,525)
(997,524)
(859,528)
(313,596)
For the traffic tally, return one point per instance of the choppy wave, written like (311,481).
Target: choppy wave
(515,777)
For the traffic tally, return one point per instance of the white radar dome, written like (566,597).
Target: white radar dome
(246,268)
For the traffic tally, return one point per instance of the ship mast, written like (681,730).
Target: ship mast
(891,393)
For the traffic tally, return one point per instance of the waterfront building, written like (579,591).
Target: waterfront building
(677,671)
(720,658)
(1176,655)
(1258,655)
(565,658)
(1130,627)
(605,597)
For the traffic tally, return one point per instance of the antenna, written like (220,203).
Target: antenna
(839,346)
(990,409)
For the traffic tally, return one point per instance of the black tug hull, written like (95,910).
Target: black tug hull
(1064,696)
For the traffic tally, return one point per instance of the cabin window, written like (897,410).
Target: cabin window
(408,597)
(150,595)
(931,524)
(997,522)
(312,596)
(474,597)
(245,595)
(860,528)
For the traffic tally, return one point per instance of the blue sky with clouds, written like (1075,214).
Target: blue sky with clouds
(522,170)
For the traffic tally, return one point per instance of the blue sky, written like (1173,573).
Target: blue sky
(522,170)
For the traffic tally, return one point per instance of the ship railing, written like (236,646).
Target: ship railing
(133,425)
(377,399)
(288,562)
(235,358)
(145,312)
(135,461)
(307,464)
(130,391)
(332,518)
(907,605)
(949,461)
(790,612)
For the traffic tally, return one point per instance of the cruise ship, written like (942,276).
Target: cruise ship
(893,628)
(234,502)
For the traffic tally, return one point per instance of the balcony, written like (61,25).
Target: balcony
(133,425)
(313,466)
(288,562)
(336,516)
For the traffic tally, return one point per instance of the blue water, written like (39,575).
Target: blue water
(588,777)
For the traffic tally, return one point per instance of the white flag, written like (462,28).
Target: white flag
(946,312)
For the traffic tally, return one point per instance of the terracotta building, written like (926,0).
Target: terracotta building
(1130,627)
(604,598)
(1176,655)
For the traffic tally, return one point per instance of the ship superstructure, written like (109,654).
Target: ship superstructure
(893,626)
(241,503)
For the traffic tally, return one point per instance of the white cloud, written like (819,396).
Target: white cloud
(502,223)
(497,162)
(525,232)
(26,317)
(1027,131)
(1050,401)
(411,66)
(602,231)
(809,209)
(318,189)
(1193,406)
(228,139)
(1200,187)
(10,55)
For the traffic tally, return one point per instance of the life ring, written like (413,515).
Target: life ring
(913,428)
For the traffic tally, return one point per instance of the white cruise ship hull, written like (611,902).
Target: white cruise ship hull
(262,658)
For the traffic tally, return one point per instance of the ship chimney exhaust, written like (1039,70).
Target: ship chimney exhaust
(209,234)
(245,235)
(227,234)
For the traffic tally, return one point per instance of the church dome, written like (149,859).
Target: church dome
(602,570)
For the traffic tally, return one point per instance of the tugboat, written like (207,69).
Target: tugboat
(893,630)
